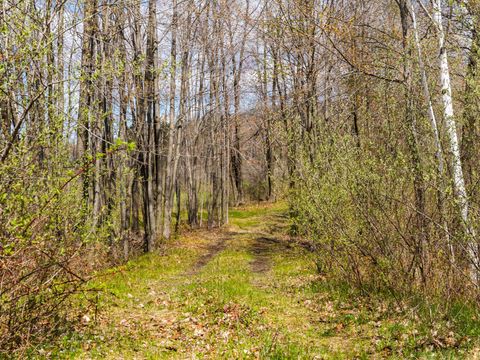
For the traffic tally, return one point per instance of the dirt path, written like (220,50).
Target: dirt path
(242,292)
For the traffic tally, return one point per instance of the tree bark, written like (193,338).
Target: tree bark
(449,117)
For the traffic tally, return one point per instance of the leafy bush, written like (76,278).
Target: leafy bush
(357,206)
(46,248)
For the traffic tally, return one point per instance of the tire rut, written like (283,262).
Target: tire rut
(212,251)
(262,249)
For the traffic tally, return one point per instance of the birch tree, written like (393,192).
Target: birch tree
(449,117)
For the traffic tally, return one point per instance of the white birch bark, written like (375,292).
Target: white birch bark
(448,113)
(433,122)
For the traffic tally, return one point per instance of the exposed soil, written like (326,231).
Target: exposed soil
(262,248)
(211,252)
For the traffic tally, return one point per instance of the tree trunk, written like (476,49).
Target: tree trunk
(412,141)
(168,188)
(457,172)
(434,126)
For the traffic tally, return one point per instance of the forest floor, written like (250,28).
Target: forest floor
(244,291)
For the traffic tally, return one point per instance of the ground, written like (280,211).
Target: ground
(245,291)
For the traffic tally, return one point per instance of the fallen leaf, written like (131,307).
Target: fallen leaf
(85,319)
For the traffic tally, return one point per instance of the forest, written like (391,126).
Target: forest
(239,179)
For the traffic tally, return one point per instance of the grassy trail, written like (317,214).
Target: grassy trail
(244,291)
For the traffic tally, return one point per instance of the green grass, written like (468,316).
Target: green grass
(251,217)
(163,307)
